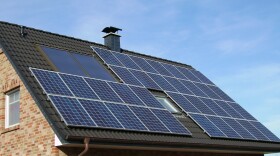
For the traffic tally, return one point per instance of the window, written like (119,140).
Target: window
(168,104)
(77,64)
(12,109)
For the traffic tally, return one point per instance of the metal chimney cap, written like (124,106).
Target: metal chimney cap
(111,29)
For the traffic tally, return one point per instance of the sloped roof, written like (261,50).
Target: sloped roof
(23,54)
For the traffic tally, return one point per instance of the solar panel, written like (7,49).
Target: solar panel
(159,68)
(100,114)
(253,130)
(232,112)
(178,85)
(199,105)
(186,105)
(146,97)
(265,131)
(207,126)
(224,127)
(201,77)
(126,117)
(143,64)
(205,89)
(51,82)
(191,86)
(216,108)
(188,74)
(107,56)
(78,86)
(126,61)
(103,90)
(170,122)
(239,129)
(126,94)
(241,111)
(125,75)
(145,79)
(149,119)
(222,94)
(71,111)
(165,85)
(173,70)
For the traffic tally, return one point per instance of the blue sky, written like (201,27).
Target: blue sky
(235,42)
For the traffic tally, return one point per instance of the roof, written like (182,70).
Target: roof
(22,53)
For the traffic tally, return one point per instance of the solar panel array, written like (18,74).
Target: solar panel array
(212,109)
(88,102)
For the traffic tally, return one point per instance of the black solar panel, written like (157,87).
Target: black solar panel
(143,64)
(203,108)
(159,68)
(188,74)
(173,70)
(107,56)
(265,131)
(178,85)
(191,86)
(126,61)
(215,107)
(253,130)
(161,82)
(186,105)
(145,79)
(232,112)
(201,77)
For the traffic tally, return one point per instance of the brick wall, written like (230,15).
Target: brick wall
(33,136)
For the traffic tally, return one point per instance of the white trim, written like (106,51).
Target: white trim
(7,107)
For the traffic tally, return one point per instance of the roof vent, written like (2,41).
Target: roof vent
(22,31)
(112,39)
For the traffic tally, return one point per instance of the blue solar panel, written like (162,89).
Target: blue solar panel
(103,90)
(71,111)
(78,86)
(178,85)
(265,131)
(191,86)
(224,127)
(100,114)
(173,70)
(126,94)
(239,129)
(126,61)
(143,64)
(207,126)
(165,85)
(146,97)
(232,112)
(51,82)
(201,77)
(253,130)
(188,74)
(241,111)
(126,117)
(216,108)
(186,105)
(222,94)
(159,68)
(149,119)
(199,105)
(125,76)
(207,90)
(107,56)
(145,79)
(170,122)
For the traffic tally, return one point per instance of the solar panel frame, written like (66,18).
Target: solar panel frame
(193,88)
(232,112)
(200,105)
(145,79)
(159,68)
(178,85)
(188,74)
(174,71)
(209,92)
(162,82)
(143,64)
(126,60)
(215,107)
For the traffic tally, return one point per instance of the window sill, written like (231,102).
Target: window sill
(9,129)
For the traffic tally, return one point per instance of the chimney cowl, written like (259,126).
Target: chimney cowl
(112,39)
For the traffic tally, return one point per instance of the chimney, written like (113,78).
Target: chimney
(112,39)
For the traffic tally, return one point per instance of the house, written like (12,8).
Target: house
(66,96)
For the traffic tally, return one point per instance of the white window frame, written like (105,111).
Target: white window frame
(7,107)
(171,105)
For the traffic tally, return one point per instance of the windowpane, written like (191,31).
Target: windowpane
(167,104)
(13,113)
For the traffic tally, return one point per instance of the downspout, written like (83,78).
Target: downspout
(86,141)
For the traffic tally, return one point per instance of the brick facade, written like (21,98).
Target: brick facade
(33,136)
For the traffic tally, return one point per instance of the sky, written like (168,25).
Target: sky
(235,43)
